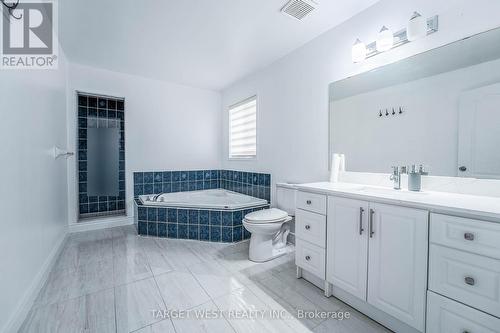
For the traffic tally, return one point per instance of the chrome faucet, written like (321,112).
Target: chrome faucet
(397,171)
(155,198)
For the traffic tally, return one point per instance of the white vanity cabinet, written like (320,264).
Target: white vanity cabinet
(464,275)
(310,230)
(378,253)
(406,260)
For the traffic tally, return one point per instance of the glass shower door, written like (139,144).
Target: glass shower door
(101,155)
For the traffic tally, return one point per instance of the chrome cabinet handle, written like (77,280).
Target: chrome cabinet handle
(308,227)
(469,280)
(372,212)
(308,202)
(308,258)
(469,236)
(361,211)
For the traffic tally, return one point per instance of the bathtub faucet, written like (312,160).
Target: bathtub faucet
(155,198)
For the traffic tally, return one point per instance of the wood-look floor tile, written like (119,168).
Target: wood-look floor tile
(215,279)
(136,304)
(102,270)
(180,290)
(164,326)
(130,268)
(90,313)
(196,323)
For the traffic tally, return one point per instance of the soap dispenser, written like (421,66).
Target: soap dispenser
(415,177)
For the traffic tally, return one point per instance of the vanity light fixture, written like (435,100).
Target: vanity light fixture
(358,51)
(387,40)
(417,27)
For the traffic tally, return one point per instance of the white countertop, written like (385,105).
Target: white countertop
(465,205)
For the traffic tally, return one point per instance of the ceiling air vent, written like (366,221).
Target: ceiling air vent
(298,9)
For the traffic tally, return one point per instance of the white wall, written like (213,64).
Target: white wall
(427,132)
(293,92)
(167,126)
(33,204)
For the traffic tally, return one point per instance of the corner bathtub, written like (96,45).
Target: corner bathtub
(208,199)
(208,215)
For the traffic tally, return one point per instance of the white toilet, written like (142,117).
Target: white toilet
(269,228)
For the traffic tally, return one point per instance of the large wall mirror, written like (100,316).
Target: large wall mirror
(440,108)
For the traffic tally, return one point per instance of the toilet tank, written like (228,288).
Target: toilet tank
(285,197)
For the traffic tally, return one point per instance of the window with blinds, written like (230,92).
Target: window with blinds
(243,129)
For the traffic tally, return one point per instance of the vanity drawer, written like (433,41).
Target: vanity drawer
(311,202)
(447,316)
(465,277)
(310,227)
(310,257)
(466,234)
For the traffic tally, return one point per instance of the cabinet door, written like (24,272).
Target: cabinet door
(397,262)
(347,245)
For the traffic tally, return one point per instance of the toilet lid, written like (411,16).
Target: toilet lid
(266,216)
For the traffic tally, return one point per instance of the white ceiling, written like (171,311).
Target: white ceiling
(201,43)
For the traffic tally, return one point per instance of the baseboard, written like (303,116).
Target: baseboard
(101,223)
(28,299)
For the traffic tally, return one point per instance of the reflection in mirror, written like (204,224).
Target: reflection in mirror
(440,108)
(102,160)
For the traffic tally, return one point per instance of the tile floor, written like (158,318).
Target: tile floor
(115,281)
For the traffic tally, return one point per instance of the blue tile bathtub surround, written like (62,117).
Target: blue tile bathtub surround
(204,217)
(215,217)
(175,181)
(204,225)
(171,230)
(182,231)
(254,184)
(162,230)
(92,112)
(197,224)
(250,183)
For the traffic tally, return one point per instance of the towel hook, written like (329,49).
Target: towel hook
(58,152)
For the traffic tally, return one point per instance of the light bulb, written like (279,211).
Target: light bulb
(417,27)
(358,51)
(385,39)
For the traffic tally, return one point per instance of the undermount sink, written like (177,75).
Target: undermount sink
(371,189)
(347,186)
(382,190)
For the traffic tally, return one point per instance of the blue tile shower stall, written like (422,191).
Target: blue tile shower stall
(197,224)
(99,111)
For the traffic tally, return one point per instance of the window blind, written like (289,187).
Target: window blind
(243,129)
